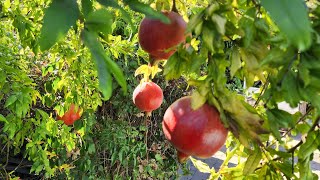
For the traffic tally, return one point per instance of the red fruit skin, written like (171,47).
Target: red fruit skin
(156,37)
(147,96)
(71,115)
(198,132)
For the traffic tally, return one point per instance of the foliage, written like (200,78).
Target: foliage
(59,52)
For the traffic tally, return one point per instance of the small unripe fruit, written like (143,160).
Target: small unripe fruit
(147,96)
(198,133)
(73,114)
(159,39)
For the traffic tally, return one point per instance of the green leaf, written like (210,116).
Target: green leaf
(3,119)
(117,73)
(208,37)
(247,23)
(292,18)
(201,166)
(110,3)
(174,67)
(194,21)
(235,61)
(252,162)
(87,7)
(290,89)
(58,18)
(12,99)
(159,158)
(91,148)
(305,169)
(147,10)
(98,54)
(285,167)
(220,23)
(114,4)
(283,118)
(311,144)
(99,21)
(105,65)
(278,57)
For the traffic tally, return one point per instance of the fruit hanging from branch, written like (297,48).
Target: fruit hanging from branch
(160,40)
(72,115)
(147,96)
(198,133)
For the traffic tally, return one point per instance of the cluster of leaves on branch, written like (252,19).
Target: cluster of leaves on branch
(69,46)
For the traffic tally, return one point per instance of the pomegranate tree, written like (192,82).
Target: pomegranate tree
(159,39)
(147,96)
(73,114)
(198,133)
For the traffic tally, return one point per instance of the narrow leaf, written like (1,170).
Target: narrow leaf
(117,73)
(252,162)
(305,169)
(3,119)
(58,18)
(12,99)
(292,18)
(98,54)
(99,21)
(87,7)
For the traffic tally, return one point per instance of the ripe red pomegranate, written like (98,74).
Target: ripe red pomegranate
(197,132)
(73,114)
(147,96)
(159,39)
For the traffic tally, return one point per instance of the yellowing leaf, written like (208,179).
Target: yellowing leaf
(143,69)
(154,70)
(201,166)
(194,43)
(197,100)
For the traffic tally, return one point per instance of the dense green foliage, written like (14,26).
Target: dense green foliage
(59,52)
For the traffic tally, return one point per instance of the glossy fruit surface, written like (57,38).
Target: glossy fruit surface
(159,39)
(73,114)
(147,96)
(197,132)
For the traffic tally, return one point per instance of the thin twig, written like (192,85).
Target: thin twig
(301,119)
(314,125)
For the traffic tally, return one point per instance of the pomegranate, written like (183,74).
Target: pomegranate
(159,39)
(73,114)
(147,96)
(198,133)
